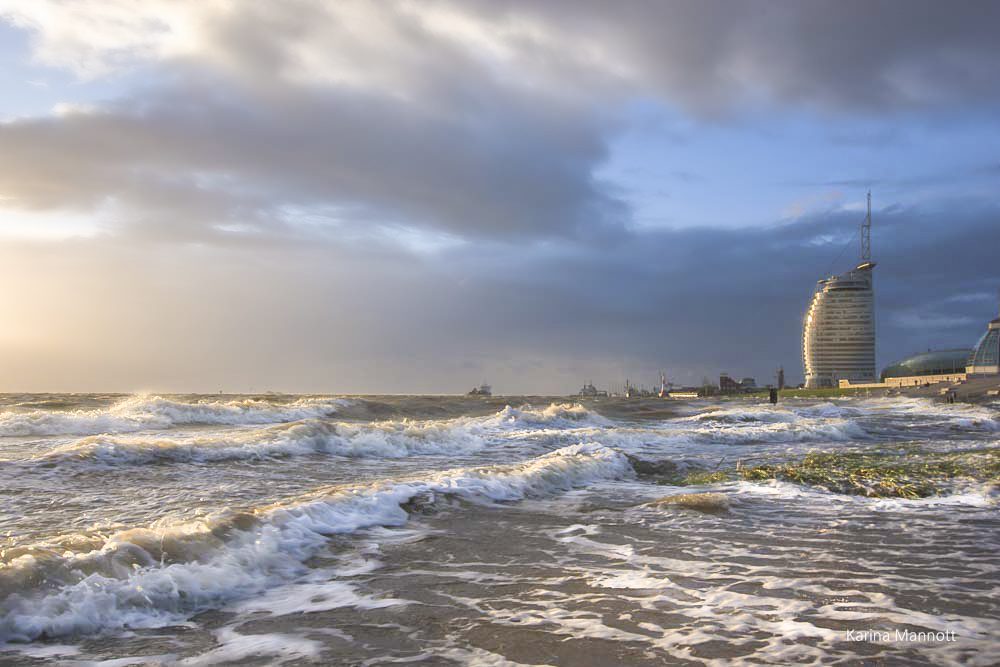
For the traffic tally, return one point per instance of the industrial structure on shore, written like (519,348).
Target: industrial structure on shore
(590,391)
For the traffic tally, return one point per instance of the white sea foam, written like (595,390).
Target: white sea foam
(687,437)
(801,430)
(145,412)
(159,575)
(477,657)
(959,415)
(302,597)
(742,424)
(982,496)
(385,439)
(788,411)
(695,597)
(234,648)
(556,415)
(391,439)
(843,418)
(744,414)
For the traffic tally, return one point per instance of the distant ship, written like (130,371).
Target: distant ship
(589,390)
(482,390)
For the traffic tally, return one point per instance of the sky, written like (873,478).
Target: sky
(416,197)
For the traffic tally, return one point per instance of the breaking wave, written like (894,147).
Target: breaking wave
(387,439)
(964,416)
(774,415)
(149,577)
(145,412)
(802,430)
(824,422)
(556,415)
(312,436)
(830,422)
(907,409)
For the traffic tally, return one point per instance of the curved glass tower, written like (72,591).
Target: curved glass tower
(838,339)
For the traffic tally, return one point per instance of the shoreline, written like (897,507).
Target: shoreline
(975,390)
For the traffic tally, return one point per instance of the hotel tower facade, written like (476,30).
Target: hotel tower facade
(838,336)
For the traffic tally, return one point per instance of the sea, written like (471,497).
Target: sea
(497,531)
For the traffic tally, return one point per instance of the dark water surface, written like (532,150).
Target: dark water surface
(204,530)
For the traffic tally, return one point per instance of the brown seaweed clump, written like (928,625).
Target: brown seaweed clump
(703,502)
(913,473)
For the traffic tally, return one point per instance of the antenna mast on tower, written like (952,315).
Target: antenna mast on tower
(866,233)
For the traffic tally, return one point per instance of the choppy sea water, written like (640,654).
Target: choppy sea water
(259,530)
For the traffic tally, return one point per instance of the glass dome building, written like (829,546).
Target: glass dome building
(985,357)
(938,362)
(838,338)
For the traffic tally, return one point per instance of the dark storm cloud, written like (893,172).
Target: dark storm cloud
(400,128)
(701,301)
(380,114)
(192,157)
(836,54)
(538,318)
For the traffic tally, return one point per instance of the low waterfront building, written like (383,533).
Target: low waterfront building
(728,385)
(929,363)
(953,366)
(927,367)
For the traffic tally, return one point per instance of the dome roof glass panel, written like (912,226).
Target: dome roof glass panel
(937,362)
(987,349)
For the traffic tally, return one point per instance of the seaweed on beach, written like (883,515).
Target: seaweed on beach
(702,477)
(855,473)
(908,474)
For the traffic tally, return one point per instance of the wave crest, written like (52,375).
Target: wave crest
(556,415)
(303,438)
(153,576)
(148,412)
(387,439)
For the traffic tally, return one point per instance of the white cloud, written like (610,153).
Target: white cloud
(97,37)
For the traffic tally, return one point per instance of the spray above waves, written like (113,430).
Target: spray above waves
(159,575)
(145,412)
